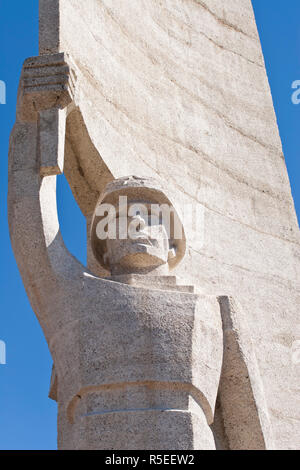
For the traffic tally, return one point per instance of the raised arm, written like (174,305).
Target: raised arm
(35,158)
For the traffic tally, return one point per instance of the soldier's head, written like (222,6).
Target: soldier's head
(135,228)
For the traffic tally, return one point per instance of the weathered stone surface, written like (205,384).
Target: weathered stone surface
(52,134)
(182,92)
(46,82)
(179,94)
(138,339)
(242,400)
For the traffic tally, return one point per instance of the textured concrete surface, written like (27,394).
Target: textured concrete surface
(241,393)
(181,94)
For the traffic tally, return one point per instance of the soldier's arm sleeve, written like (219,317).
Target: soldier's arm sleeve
(36,156)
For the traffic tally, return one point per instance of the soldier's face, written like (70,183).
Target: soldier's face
(139,242)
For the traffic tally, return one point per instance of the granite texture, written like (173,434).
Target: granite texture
(179,94)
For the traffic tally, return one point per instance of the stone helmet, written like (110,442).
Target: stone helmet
(142,190)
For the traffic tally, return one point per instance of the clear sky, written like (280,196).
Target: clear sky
(27,416)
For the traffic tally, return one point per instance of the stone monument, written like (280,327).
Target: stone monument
(174,337)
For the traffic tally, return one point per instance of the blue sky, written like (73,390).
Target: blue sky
(27,416)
